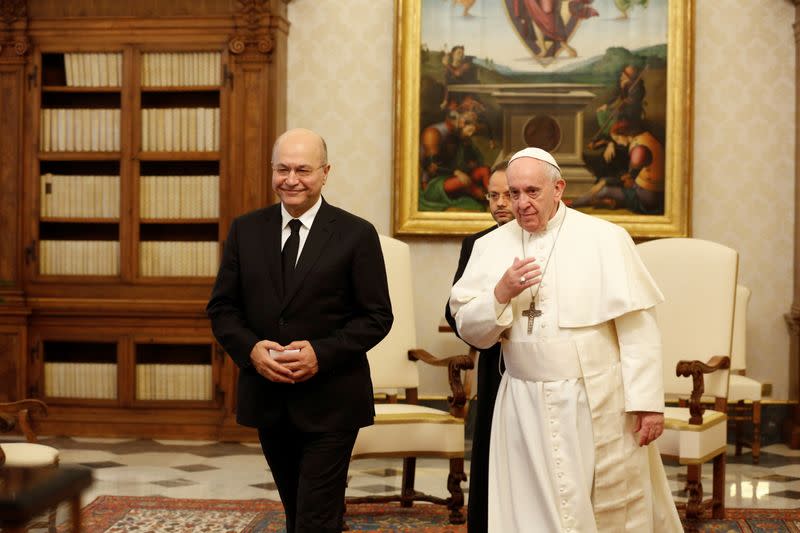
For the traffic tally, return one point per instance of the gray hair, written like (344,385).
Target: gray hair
(552,172)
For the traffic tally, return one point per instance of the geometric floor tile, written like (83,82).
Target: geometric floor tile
(790,494)
(174,483)
(776,478)
(195,468)
(102,464)
(375,489)
(381,472)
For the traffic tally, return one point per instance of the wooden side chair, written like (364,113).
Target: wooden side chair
(698,279)
(19,417)
(744,392)
(403,428)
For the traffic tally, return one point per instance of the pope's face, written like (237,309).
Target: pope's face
(534,195)
(298,172)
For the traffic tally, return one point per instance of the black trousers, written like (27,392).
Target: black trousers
(488,383)
(310,471)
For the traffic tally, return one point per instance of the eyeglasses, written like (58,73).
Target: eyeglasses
(301,171)
(494,196)
(533,194)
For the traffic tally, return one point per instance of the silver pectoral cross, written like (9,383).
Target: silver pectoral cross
(531,312)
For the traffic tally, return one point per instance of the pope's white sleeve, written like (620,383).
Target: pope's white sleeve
(640,357)
(480,319)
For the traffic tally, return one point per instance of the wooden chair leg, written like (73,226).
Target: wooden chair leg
(694,487)
(756,431)
(718,490)
(407,487)
(456,501)
(738,423)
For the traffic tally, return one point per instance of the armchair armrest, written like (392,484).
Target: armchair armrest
(695,370)
(18,415)
(455,365)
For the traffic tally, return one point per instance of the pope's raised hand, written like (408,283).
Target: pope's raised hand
(522,273)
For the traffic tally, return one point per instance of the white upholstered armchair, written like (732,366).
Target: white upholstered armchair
(402,428)
(698,279)
(19,417)
(744,392)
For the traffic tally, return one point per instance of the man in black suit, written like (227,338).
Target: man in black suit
(300,297)
(488,364)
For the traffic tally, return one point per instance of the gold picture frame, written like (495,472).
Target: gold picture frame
(677,81)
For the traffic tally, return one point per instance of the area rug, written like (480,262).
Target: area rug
(749,521)
(128,514)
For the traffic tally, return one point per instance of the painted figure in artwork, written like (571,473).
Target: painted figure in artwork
(626,101)
(466,4)
(641,188)
(458,69)
(545,28)
(454,174)
(625,6)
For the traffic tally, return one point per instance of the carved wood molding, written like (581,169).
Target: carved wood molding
(12,11)
(13,23)
(252,19)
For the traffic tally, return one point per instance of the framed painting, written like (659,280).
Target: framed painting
(604,85)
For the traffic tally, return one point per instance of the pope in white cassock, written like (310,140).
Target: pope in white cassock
(580,404)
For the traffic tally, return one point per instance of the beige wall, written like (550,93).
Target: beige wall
(340,84)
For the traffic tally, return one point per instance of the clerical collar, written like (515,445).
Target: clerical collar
(552,225)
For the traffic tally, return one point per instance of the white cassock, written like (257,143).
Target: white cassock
(563,454)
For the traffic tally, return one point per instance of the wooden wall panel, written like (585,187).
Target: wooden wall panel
(145,8)
(11,109)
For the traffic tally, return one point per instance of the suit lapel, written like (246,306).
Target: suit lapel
(317,240)
(272,251)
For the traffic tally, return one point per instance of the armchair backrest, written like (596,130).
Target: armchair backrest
(390,367)
(739,348)
(698,279)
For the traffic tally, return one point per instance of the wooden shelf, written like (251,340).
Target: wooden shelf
(76,220)
(181,89)
(71,89)
(179,221)
(79,156)
(179,156)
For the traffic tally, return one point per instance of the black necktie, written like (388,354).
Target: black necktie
(289,253)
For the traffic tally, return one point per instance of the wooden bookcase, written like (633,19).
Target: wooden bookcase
(133,134)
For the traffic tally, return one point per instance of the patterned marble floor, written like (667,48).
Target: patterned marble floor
(197,469)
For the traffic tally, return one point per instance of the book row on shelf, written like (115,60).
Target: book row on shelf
(173,382)
(80,380)
(161,69)
(179,197)
(93,69)
(101,258)
(79,258)
(194,129)
(181,69)
(80,196)
(98,381)
(178,258)
(80,130)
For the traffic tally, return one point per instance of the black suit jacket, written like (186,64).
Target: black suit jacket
(339,302)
